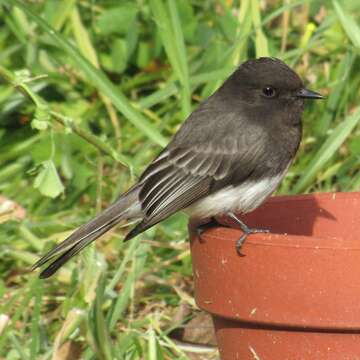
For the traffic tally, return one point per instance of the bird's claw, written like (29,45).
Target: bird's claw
(247,231)
(200,229)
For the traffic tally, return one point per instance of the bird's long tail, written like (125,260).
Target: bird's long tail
(127,207)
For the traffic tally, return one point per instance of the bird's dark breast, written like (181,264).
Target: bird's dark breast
(271,156)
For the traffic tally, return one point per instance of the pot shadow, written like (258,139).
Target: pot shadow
(305,215)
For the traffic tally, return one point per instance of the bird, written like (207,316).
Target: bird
(227,158)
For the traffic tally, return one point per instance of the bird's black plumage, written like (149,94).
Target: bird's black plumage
(237,143)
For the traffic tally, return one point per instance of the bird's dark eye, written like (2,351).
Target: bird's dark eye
(269,91)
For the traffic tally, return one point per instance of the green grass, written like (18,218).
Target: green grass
(90,92)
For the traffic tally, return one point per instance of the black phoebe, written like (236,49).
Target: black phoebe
(228,156)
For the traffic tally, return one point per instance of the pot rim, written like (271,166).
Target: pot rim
(282,240)
(332,196)
(246,323)
(292,240)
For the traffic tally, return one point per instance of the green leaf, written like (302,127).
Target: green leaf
(41,118)
(119,55)
(143,55)
(354,145)
(48,181)
(117,19)
(39,125)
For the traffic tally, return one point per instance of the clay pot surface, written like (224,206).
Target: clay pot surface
(295,294)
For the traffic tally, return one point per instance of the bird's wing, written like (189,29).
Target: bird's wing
(180,176)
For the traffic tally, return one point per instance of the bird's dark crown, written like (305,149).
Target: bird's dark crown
(267,71)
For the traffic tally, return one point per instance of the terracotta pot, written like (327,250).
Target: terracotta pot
(295,294)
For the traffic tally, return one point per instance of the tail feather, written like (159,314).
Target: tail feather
(72,251)
(126,208)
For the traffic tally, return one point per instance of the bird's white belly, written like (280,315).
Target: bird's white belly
(242,198)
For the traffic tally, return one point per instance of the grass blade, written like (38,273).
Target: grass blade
(152,353)
(122,301)
(35,324)
(82,38)
(100,329)
(243,32)
(98,78)
(260,38)
(172,38)
(180,47)
(327,150)
(336,94)
(351,28)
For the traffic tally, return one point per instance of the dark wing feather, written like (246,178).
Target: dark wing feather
(177,178)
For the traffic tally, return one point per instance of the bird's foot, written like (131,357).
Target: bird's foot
(201,228)
(246,232)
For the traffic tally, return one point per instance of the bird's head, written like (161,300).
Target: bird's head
(266,81)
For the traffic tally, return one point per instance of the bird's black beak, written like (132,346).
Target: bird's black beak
(308,94)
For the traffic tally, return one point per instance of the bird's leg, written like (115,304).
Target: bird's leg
(200,228)
(246,230)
